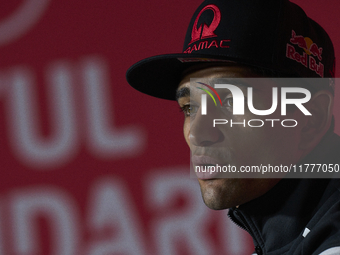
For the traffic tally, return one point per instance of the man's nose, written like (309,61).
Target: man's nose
(202,132)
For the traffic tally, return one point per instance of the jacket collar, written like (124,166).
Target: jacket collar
(277,218)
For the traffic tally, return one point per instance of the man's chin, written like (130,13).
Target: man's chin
(218,194)
(214,205)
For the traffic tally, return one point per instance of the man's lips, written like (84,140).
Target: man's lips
(201,166)
(199,160)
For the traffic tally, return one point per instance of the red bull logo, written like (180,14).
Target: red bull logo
(307,44)
(311,50)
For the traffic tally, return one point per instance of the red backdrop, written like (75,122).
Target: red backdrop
(89,165)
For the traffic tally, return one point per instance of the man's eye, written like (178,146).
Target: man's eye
(189,110)
(229,102)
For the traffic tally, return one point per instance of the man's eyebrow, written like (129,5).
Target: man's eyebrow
(183,92)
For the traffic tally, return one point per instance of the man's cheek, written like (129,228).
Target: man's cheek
(186,132)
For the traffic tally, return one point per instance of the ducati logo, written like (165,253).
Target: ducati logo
(206,31)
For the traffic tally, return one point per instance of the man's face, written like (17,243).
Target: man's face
(237,145)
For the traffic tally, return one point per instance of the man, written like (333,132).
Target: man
(233,42)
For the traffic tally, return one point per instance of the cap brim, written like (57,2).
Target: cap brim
(159,76)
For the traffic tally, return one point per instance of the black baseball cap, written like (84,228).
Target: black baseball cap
(271,34)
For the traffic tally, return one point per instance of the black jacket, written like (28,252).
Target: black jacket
(297,216)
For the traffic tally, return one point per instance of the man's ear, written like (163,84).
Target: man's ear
(316,126)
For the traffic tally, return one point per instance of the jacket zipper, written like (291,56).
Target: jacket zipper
(242,224)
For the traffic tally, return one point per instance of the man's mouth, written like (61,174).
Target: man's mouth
(205,160)
(205,166)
